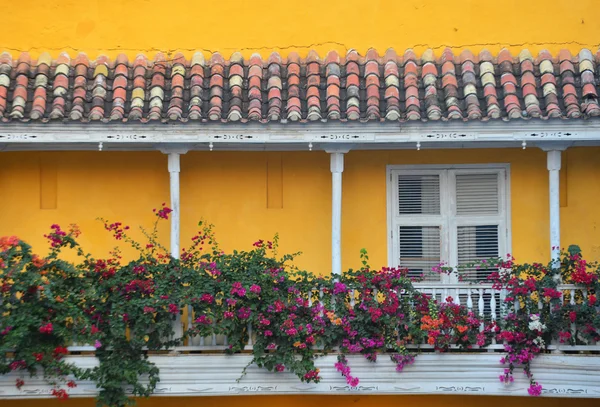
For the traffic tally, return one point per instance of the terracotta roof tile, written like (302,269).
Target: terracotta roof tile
(196,87)
(352,86)
(19,96)
(293,105)
(337,87)
(589,92)
(567,78)
(411,86)
(372,83)
(60,87)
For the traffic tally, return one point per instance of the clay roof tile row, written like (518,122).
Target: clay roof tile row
(347,88)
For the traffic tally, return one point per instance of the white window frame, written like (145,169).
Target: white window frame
(448,220)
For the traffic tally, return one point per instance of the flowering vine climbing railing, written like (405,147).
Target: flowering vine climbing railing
(481,299)
(257,302)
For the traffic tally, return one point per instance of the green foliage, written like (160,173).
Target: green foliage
(128,309)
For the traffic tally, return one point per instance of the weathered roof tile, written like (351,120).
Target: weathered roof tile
(350,87)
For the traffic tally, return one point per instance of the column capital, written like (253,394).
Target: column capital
(555,146)
(337,148)
(177,149)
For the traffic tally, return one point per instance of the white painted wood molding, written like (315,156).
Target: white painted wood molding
(198,136)
(216,375)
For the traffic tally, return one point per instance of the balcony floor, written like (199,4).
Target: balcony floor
(455,373)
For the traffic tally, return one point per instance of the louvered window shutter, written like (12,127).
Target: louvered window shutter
(419,245)
(477,194)
(420,251)
(455,216)
(419,194)
(478,204)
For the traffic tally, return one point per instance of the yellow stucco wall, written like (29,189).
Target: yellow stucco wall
(229,189)
(132,26)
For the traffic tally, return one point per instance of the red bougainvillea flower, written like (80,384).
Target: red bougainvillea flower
(203,320)
(59,352)
(117,229)
(6,330)
(163,213)
(47,328)
(17,364)
(56,236)
(312,375)
(8,242)
(207,298)
(60,394)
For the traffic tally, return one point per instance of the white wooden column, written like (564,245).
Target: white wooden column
(337,168)
(174,169)
(554,164)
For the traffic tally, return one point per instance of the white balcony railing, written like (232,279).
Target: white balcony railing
(200,368)
(480,298)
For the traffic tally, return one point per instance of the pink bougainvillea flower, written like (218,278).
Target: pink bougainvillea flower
(535,389)
(203,320)
(163,213)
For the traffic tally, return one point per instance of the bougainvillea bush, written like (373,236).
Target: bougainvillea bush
(284,317)
(536,312)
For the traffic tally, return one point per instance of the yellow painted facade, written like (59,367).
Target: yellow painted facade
(132,26)
(232,191)
(250,195)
